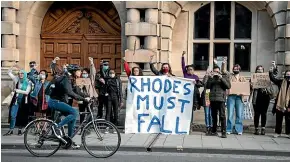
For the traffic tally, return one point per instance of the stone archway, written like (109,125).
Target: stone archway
(78,30)
(31,15)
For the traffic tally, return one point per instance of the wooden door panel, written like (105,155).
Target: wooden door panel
(75,31)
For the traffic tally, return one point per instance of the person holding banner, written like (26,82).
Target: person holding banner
(188,72)
(261,100)
(218,84)
(235,102)
(165,68)
(282,102)
(136,71)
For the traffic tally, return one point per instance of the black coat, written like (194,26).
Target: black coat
(218,88)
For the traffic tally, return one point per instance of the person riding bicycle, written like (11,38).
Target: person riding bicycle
(59,90)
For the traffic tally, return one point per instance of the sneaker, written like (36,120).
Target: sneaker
(240,133)
(224,135)
(57,131)
(19,132)
(115,131)
(228,133)
(214,134)
(75,146)
(263,132)
(107,130)
(289,136)
(9,133)
(277,135)
(256,131)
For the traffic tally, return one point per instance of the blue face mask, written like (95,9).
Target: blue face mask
(105,67)
(85,75)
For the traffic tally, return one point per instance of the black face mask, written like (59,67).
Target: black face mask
(287,78)
(236,72)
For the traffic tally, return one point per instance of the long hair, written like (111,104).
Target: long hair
(238,66)
(259,66)
(140,71)
(56,70)
(170,71)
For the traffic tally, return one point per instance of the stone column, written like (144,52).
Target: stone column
(9,51)
(277,12)
(287,38)
(145,32)
(10,30)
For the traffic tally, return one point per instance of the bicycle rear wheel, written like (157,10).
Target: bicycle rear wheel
(101,147)
(45,144)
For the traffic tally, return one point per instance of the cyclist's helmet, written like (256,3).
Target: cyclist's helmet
(71,68)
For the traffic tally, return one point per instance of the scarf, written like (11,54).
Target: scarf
(24,84)
(283,97)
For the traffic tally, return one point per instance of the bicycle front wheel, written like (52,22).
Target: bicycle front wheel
(39,139)
(102,143)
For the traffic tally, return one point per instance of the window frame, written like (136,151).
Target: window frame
(212,40)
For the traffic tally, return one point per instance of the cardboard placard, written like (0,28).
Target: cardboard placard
(240,88)
(83,81)
(207,101)
(260,80)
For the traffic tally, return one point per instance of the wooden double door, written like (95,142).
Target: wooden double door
(74,31)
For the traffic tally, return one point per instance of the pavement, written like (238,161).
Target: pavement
(196,142)
(80,155)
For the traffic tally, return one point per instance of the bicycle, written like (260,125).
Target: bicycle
(47,134)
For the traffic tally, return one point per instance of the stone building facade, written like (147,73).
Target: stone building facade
(248,33)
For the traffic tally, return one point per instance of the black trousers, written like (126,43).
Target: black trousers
(279,122)
(260,110)
(70,102)
(103,102)
(112,110)
(218,107)
(82,108)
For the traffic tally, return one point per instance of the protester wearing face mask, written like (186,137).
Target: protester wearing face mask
(188,72)
(18,109)
(282,102)
(101,78)
(114,89)
(33,72)
(260,101)
(88,90)
(235,103)
(165,68)
(38,98)
(218,84)
(136,71)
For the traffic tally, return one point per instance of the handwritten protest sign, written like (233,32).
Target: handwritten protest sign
(260,80)
(159,104)
(83,81)
(240,88)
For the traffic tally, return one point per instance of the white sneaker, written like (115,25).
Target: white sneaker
(240,134)
(75,146)
(228,133)
(114,132)
(277,135)
(107,130)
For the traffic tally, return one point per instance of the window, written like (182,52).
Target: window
(201,53)
(222,29)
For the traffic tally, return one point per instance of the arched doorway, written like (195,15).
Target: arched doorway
(75,31)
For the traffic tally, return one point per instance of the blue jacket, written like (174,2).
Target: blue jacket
(37,86)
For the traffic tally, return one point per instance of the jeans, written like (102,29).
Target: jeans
(235,103)
(207,116)
(13,114)
(71,114)
(217,106)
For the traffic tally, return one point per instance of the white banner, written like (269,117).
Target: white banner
(159,104)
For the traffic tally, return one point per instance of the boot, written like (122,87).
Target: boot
(9,133)
(263,132)
(19,132)
(208,130)
(256,131)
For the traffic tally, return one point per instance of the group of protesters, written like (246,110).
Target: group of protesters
(105,85)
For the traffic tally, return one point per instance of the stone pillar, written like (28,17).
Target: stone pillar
(287,38)
(9,51)
(277,12)
(10,30)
